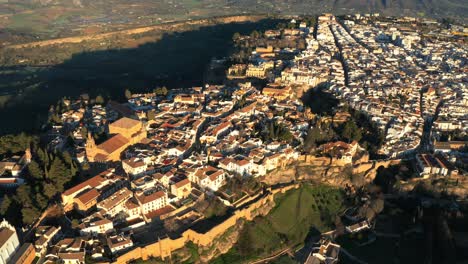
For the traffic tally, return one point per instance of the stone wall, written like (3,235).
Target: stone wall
(165,246)
(370,168)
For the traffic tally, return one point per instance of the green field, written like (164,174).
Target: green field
(297,212)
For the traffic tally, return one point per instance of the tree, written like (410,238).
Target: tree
(161,91)
(35,170)
(128,94)
(150,115)
(30,214)
(236,36)
(84,132)
(59,174)
(5,205)
(43,156)
(15,143)
(99,100)
(351,132)
(254,34)
(49,190)
(75,223)
(23,193)
(164,91)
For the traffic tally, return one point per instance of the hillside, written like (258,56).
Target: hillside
(27,20)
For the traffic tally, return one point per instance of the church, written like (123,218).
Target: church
(122,133)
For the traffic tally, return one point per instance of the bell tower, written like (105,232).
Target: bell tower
(27,156)
(90,147)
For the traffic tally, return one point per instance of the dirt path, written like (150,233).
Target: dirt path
(267,259)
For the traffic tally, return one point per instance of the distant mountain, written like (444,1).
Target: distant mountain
(28,20)
(434,8)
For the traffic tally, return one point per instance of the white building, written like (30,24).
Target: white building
(119,243)
(9,242)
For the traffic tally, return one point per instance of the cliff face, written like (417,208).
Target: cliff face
(328,171)
(224,242)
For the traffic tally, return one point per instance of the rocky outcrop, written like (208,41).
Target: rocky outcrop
(327,171)
(226,241)
(456,186)
(221,245)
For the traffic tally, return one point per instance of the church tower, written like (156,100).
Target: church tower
(27,156)
(90,147)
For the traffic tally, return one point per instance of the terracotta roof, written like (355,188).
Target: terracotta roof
(115,199)
(165,210)
(7,180)
(101,157)
(124,110)
(149,198)
(130,204)
(125,122)
(134,162)
(93,182)
(215,175)
(113,143)
(103,221)
(5,234)
(88,196)
(182,183)
(73,256)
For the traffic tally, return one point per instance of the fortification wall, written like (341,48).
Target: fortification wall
(374,165)
(164,247)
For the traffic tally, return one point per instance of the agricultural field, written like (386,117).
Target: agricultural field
(34,19)
(108,67)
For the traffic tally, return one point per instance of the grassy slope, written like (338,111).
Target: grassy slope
(296,213)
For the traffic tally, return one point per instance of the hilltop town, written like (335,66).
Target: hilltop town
(172,168)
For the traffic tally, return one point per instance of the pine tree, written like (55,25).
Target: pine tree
(351,131)
(35,170)
(30,214)
(59,174)
(5,204)
(49,190)
(43,156)
(23,193)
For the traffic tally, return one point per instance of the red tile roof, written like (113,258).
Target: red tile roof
(149,198)
(88,196)
(125,122)
(5,234)
(113,143)
(93,182)
(165,210)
